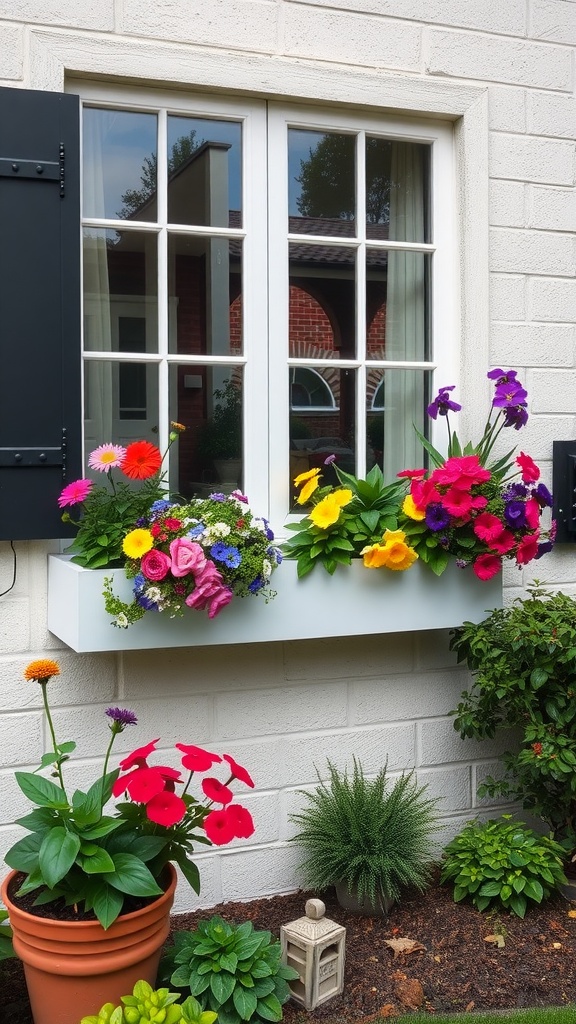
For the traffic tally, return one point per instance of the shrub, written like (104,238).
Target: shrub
(6,947)
(149,1006)
(230,969)
(362,832)
(502,863)
(523,661)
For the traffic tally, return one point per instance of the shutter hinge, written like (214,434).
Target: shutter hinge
(35,458)
(41,170)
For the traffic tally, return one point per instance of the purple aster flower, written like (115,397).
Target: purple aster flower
(508,394)
(232,558)
(142,522)
(275,554)
(120,718)
(543,496)
(515,491)
(329,460)
(544,548)
(140,582)
(437,518)
(217,496)
(516,416)
(256,585)
(515,514)
(219,551)
(502,376)
(443,404)
(462,563)
(145,602)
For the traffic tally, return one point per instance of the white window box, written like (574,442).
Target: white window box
(355,601)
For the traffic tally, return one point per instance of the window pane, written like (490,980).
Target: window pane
(321,183)
(204,172)
(120,288)
(322,302)
(397,305)
(322,420)
(207,400)
(120,402)
(205,295)
(119,164)
(396,401)
(397,189)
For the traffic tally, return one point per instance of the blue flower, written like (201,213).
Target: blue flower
(196,530)
(145,602)
(139,583)
(543,496)
(159,506)
(256,585)
(275,554)
(515,514)
(515,491)
(232,558)
(219,551)
(217,496)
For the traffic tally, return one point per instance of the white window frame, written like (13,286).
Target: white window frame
(265,230)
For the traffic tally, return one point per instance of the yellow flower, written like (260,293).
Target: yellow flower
(394,553)
(177,426)
(137,543)
(326,512)
(410,509)
(311,481)
(342,496)
(305,476)
(42,670)
(374,556)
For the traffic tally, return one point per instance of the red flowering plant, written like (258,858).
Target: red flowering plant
(81,854)
(471,506)
(108,511)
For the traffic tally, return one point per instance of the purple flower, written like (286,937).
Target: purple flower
(543,496)
(217,496)
(443,404)
(544,548)
(239,496)
(329,460)
(502,376)
(515,491)
(145,602)
(437,518)
(256,585)
(462,563)
(275,554)
(120,718)
(508,394)
(516,416)
(515,514)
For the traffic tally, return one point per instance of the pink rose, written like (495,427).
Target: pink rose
(219,601)
(187,556)
(155,565)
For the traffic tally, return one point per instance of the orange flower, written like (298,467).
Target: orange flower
(141,460)
(42,670)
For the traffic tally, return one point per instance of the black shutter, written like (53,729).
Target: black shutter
(40,359)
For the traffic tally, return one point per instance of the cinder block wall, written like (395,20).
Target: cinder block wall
(281,709)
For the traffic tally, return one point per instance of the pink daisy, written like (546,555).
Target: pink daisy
(75,492)
(107,456)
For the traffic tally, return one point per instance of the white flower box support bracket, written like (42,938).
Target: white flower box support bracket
(355,601)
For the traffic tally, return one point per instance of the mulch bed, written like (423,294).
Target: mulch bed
(456,970)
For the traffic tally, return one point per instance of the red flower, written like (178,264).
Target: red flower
(527,548)
(172,524)
(166,809)
(216,791)
(138,756)
(219,828)
(410,473)
(241,820)
(530,471)
(457,502)
(503,542)
(532,510)
(487,566)
(197,759)
(238,772)
(423,492)
(142,784)
(537,748)
(487,527)
(464,470)
(141,460)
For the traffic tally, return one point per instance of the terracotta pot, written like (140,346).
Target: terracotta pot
(350,901)
(73,967)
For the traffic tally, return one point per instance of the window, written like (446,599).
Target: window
(279,280)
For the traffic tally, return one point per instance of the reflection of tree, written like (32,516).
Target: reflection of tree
(134,198)
(327,179)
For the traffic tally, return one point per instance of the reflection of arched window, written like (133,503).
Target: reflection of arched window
(378,397)
(308,390)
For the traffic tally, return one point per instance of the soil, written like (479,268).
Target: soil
(455,968)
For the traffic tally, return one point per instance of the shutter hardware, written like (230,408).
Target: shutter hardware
(42,170)
(14,458)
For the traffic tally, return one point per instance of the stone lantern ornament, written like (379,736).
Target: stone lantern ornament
(314,946)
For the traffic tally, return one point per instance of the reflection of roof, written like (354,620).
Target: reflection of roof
(335,227)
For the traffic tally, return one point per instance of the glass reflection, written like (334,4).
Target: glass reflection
(396,401)
(322,420)
(120,291)
(322,310)
(321,183)
(119,164)
(204,172)
(397,190)
(205,295)
(120,401)
(208,401)
(397,304)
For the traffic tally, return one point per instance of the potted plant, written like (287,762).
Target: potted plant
(91,888)
(220,438)
(522,659)
(368,838)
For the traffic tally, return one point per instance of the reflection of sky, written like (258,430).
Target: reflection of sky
(300,142)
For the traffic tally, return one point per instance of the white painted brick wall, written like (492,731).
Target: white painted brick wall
(284,709)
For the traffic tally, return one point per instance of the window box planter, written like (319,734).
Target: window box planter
(355,601)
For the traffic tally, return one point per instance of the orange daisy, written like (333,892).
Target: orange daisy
(141,460)
(42,670)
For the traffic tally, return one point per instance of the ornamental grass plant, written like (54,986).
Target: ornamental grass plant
(373,835)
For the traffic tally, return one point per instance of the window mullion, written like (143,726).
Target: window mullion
(361,303)
(163,369)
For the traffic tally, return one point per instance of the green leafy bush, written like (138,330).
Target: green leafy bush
(375,838)
(231,969)
(523,660)
(502,863)
(151,1006)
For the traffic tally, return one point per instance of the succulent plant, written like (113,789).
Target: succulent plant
(152,1006)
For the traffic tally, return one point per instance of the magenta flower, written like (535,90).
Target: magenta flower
(75,493)
(502,376)
(443,404)
(509,394)
(486,566)
(107,456)
(155,565)
(187,556)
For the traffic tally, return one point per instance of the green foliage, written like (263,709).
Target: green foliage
(502,863)
(524,659)
(373,837)
(151,1006)
(372,510)
(231,969)
(221,436)
(107,516)
(6,947)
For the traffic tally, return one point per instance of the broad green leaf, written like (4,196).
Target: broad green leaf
(57,854)
(189,870)
(23,856)
(222,986)
(245,1002)
(97,863)
(132,876)
(107,905)
(41,791)
(269,1008)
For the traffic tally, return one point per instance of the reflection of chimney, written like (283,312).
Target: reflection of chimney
(198,188)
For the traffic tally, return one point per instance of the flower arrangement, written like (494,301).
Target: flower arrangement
(474,509)
(84,855)
(196,555)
